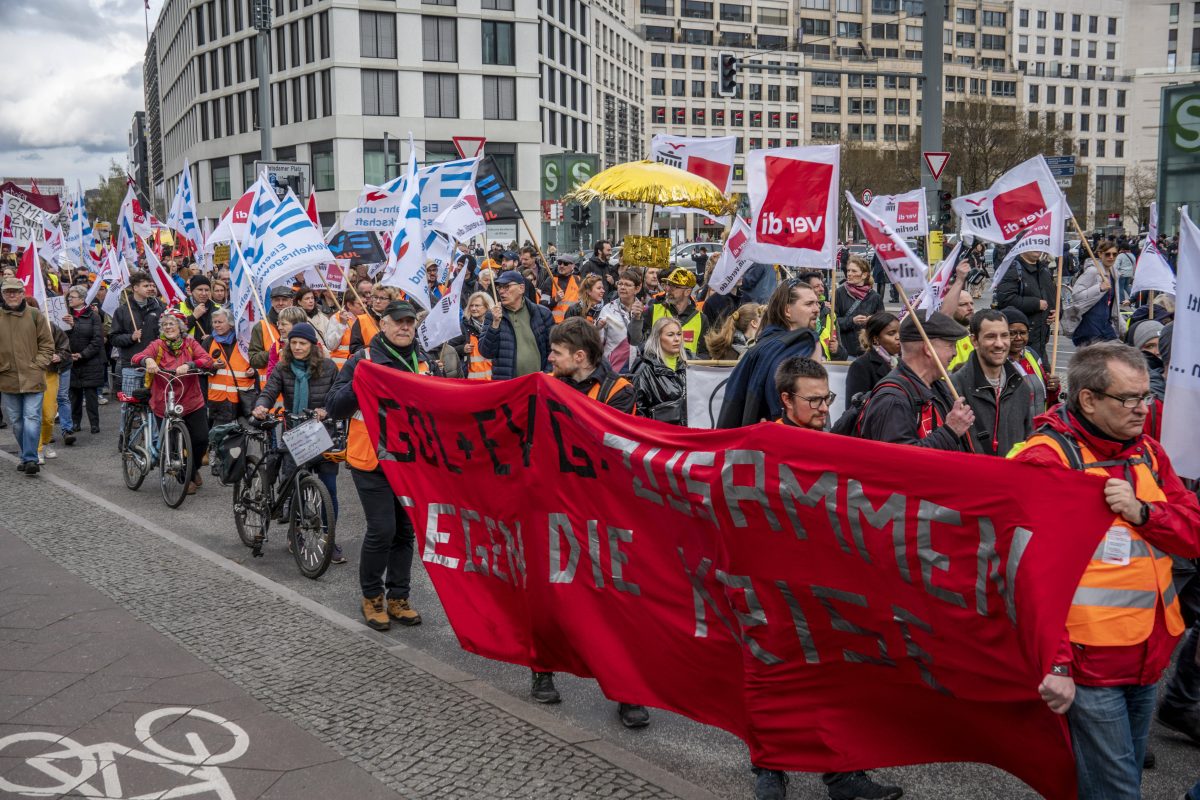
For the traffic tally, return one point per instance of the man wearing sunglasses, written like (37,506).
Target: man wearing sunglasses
(1125,617)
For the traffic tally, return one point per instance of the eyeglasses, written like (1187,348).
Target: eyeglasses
(1110,254)
(815,402)
(1130,402)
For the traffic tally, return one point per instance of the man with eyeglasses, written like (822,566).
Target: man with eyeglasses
(803,387)
(1125,616)
(366,325)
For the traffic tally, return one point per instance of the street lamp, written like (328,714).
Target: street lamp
(261,11)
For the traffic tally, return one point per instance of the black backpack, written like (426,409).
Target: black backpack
(850,422)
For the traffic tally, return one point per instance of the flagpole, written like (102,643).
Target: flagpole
(1057,309)
(536,246)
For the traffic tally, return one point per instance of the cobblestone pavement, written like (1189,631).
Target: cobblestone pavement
(94,526)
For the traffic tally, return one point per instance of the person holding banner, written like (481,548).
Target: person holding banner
(1125,617)
(516,336)
(788,322)
(135,322)
(854,302)
(912,405)
(385,563)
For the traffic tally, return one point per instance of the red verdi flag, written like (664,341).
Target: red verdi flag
(1023,202)
(788,586)
(793,205)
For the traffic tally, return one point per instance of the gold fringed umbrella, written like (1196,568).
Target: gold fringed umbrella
(655,184)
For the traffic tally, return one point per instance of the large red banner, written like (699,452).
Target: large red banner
(838,604)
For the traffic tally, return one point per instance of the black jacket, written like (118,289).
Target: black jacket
(607,272)
(341,402)
(866,371)
(893,413)
(661,391)
(845,309)
(143,319)
(623,400)
(87,339)
(998,426)
(283,381)
(1024,286)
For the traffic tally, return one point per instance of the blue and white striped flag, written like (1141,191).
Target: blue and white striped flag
(406,254)
(441,186)
(80,244)
(182,218)
(241,297)
(288,244)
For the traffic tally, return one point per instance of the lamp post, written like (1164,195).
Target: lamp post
(262,24)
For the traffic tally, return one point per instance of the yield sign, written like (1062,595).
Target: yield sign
(469,146)
(936,162)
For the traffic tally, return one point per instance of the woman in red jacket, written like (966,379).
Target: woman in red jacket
(177,353)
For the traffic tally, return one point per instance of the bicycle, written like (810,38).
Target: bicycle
(143,441)
(263,495)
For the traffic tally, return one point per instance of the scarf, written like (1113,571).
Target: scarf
(226,339)
(857,290)
(886,356)
(80,312)
(300,392)
(175,347)
(315,310)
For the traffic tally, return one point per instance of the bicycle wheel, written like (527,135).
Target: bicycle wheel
(250,516)
(312,526)
(135,464)
(175,461)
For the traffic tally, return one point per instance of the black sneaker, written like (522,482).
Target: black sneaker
(1186,722)
(633,716)
(31,469)
(21,466)
(543,690)
(771,784)
(68,438)
(857,786)
(1149,760)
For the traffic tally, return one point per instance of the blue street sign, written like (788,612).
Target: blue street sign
(1061,166)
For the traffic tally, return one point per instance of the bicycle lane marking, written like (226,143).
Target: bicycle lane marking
(200,764)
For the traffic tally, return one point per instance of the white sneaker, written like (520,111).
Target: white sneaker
(41,458)
(103,400)
(48,451)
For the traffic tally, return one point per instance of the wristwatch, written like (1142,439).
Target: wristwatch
(1061,669)
(1145,514)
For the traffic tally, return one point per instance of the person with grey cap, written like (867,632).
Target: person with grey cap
(26,350)
(516,335)
(912,405)
(385,562)
(264,335)
(1145,340)
(993,387)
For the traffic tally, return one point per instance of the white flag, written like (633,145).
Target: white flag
(903,267)
(406,252)
(1030,240)
(290,243)
(734,260)
(904,212)
(1026,199)
(1152,272)
(234,223)
(171,294)
(710,158)
(794,205)
(462,221)
(931,298)
(1181,406)
(442,323)
(439,186)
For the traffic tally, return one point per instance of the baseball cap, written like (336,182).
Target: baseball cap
(509,276)
(281,291)
(10,284)
(937,326)
(398,310)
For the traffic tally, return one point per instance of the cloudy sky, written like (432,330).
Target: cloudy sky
(72,79)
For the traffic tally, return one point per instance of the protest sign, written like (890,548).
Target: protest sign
(789,586)
(734,259)
(1181,406)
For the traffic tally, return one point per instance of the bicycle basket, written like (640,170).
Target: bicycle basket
(227,443)
(132,381)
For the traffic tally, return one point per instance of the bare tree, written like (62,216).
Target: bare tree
(987,139)
(1141,188)
(882,170)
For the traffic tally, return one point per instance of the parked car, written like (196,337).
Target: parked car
(682,256)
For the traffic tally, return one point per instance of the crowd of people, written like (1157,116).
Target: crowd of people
(956,379)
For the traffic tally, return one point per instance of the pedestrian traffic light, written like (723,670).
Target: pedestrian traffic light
(729,65)
(946,215)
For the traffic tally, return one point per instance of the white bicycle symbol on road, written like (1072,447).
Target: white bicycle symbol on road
(74,765)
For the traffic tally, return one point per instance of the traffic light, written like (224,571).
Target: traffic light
(729,65)
(947,215)
(576,214)
(585,216)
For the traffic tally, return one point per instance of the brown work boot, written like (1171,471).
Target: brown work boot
(402,612)
(375,614)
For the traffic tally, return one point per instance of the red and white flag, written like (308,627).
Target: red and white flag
(311,210)
(29,272)
(931,298)
(903,267)
(1025,200)
(709,157)
(794,205)
(734,260)
(233,223)
(167,288)
(6,224)
(904,212)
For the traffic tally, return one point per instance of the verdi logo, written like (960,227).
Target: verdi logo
(1184,124)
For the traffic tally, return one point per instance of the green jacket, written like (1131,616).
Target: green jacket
(26,346)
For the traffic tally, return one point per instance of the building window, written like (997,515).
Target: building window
(1051,95)
(696,9)
(321,154)
(376,35)
(440,152)
(826,105)
(1093,24)
(697,88)
(1118,149)
(220,178)
(1024,17)
(505,156)
(665,8)
(658,115)
(964,16)
(497,5)
(658,87)
(678,87)
(499,97)
(995,19)
(1083,147)
(1033,93)
(379,95)
(704,37)
(766,16)
(440,38)
(1172,16)
(814,27)
(375,170)
(498,45)
(849,30)
(441,95)
(658,59)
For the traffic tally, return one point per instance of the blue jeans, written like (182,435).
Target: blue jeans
(64,401)
(1194,792)
(24,411)
(1124,285)
(1109,726)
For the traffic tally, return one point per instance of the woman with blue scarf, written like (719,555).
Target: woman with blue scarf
(303,377)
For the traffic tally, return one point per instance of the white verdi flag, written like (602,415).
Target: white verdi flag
(904,212)
(442,323)
(1152,273)
(734,260)
(794,205)
(234,223)
(710,158)
(904,267)
(1152,226)
(931,298)
(1181,406)
(1027,241)
(171,294)
(1024,199)
(290,243)
(462,221)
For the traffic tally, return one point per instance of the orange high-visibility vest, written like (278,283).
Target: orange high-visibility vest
(570,295)
(478,367)
(1115,604)
(236,376)
(340,353)
(369,328)
(617,385)
(360,450)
